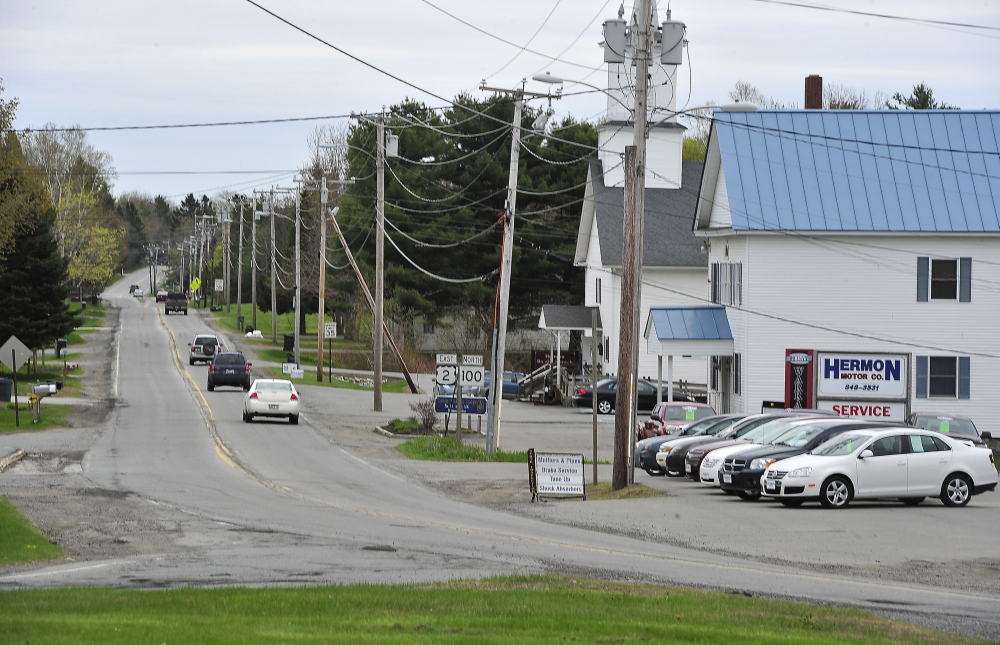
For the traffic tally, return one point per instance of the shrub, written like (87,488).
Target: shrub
(425,412)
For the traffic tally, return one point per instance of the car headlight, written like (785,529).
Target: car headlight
(674,451)
(801,472)
(761,463)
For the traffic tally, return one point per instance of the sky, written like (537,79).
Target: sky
(113,63)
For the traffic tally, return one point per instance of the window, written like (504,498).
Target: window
(923,443)
(727,283)
(737,374)
(944,279)
(891,445)
(597,291)
(943,376)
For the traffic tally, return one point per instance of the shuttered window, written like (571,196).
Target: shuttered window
(944,279)
(943,377)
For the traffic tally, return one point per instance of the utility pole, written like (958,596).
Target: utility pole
(298,271)
(239,270)
(503,290)
(632,224)
(253,263)
(323,198)
(379,260)
(274,266)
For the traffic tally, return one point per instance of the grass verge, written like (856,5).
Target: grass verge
(53,416)
(342,382)
(21,542)
(447,449)
(527,610)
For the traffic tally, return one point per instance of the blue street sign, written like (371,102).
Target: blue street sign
(470,404)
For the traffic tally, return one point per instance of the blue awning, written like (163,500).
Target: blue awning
(688,331)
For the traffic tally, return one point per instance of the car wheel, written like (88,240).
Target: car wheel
(655,472)
(748,496)
(836,492)
(211,387)
(246,387)
(956,490)
(247,417)
(674,473)
(791,503)
(604,406)
(191,361)
(293,419)
(911,501)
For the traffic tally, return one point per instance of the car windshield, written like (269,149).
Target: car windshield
(699,426)
(688,413)
(948,425)
(842,444)
(800,435)
(274,386)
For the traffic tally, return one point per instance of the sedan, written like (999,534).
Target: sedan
(607,390)
(161,296)
(670,417)
(903,463)
(646,449)
(511,385)
(271,398)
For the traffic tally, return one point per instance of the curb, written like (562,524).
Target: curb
(11,459)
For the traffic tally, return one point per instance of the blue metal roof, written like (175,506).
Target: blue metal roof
(862,170)
(690,323)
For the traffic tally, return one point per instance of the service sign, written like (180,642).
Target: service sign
(870,410)
(861,376)
(559,474)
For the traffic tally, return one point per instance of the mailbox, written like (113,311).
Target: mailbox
(43,389)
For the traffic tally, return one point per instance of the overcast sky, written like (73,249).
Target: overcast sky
(106,63)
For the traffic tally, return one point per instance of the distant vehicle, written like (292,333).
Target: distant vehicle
(132,289)
(908,464)
(271,398)
(161,296)
(607,390)
(511,386)
(955,425)
(176,301)
(204,347)
(670,417)
(229,368)
(137,293)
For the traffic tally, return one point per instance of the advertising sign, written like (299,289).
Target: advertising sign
(555,474)
(470,404)
(861,376)
(799,378)
(871,410)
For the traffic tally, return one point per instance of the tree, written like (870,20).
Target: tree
(922,98)
(20,194)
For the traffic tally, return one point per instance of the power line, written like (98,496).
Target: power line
(176,126)
(941,23)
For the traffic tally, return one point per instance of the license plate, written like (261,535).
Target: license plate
(687,468)
(727,479)
(230,371)
(769,484)
(272,406)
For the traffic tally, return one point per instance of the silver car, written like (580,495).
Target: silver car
(271,398)
(204,348)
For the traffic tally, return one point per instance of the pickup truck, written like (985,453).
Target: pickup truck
(176,301)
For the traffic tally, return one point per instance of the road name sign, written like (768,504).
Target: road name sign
(470,404)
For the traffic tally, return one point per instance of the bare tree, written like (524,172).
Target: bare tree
(841,97)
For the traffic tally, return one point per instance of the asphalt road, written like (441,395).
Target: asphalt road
(268,503)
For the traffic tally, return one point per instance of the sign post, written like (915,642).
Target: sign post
(459,371)
(19,355)
(329,333)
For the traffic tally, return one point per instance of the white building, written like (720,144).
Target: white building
(870,235)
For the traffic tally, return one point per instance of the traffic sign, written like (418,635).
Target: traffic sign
(446,374)
(195,284)
(329,330)
(471,375)
(14,353)
(470,404)
(447,359)
(219,284)
(472,359)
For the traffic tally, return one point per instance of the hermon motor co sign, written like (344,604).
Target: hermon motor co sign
(870,386)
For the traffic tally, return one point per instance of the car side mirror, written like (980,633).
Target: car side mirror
(986,434)
(865,454)
(249,364)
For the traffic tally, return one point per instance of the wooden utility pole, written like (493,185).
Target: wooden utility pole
(379,338)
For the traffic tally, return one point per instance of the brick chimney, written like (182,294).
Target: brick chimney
(814,92)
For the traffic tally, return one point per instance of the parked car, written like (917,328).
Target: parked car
(607,390)
(269,397)
(646,449)
(670,417)
(511,385)
(204,347)
(741,472)
(161,296)
(905,463)
(229,368)
(955,425)
(176,301)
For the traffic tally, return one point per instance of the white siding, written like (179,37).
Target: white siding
(857,293)
(663,156)
(722,217)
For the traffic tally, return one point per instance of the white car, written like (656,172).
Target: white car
(903,463)
(270,397)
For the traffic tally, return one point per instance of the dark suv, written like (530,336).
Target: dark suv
(229,368)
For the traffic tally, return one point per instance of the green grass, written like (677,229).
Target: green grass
(20,541)
(53,416)
(527,610)
(447,449)
(309,378)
